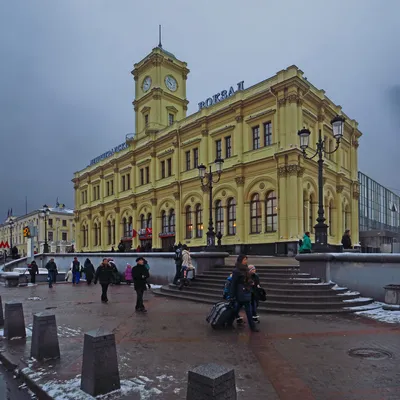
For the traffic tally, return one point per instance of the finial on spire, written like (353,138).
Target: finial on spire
(159,36)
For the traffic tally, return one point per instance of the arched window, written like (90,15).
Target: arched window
(199,221)
(96,234)
(109,232)
(231,216)
(305,212)
(346,218)
(99,234)
(125,227)
(113,232)
(164,222)
(255,214)
(330,218)
(142,222)
(171,220)
(271,211)
(149,221)
(219,217)
(84,236)
(189,222)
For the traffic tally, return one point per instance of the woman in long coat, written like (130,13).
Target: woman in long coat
(89,271)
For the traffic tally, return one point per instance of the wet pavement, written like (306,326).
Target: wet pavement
(292,357)
(12,388)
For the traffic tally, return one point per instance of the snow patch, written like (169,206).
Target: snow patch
(379,314)
(155,286)
(28,332)
(336,287)
(34,298)
(349,293)
(358,299)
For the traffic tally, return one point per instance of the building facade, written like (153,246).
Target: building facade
(267,195)
(60,230)
(379,216)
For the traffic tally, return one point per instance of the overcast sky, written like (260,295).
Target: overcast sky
(66,88)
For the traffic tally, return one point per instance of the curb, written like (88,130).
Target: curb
(11,364)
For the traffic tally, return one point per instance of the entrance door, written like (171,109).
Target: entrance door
(167,243)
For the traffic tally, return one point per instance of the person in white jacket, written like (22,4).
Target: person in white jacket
(186,265)
(68,276)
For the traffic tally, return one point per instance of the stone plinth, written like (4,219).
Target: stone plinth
(392,294)
(44,337)
(100,373)
(211,382)
(14,323)
(1,313)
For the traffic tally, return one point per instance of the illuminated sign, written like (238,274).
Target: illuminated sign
(109,153)
(224,94)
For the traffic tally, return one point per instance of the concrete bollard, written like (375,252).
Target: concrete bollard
(100,373)
(14,322)
(211,382)
(44,337)
(1,313)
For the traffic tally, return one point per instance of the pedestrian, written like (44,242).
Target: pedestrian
(178,263)
(68,276)
(112,249)
(186,266)
(254,295)
(33,271)
(52,272)
(128,274)
(121,247)
(116,276)
(104,274)
(140,274)
(89,271)
(346,240)
(241,290)
(76,271)
(305,244)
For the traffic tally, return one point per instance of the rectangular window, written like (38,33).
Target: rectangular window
(171,119)
(123,184)
(146,119)
(267,134)
(128,181)
(169,166)
(64,222)
(256,137)
(64,236)
(50,236)
(187,158)
(218,149)
(162,169)
(141,176)
(195,158)
(147,174)
(50,222)
(112,186)
(228,147)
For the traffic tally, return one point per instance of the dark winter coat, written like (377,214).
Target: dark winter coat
(51,266)
(76,266)
(140,274)
(89,270)
(104,274)
(346,241)
(33,269)
(240,281)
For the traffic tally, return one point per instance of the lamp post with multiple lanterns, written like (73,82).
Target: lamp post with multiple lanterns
(321,228)
(44,213)
(207,181)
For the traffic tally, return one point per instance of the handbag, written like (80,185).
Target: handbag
(243,294)
(261,294)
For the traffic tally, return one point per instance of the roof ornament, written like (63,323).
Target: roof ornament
(159,37)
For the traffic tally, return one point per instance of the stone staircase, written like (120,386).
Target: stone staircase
(288,291)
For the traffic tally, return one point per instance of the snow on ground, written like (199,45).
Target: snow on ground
(358,299)
(28,331)
(391,317)
(155,286)
(349,293)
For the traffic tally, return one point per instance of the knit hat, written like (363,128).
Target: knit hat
(252,268)
(128,265)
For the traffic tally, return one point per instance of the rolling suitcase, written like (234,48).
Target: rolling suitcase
(221,315)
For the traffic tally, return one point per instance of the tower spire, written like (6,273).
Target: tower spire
(159,37)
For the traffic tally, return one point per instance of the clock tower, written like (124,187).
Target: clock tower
(160,91)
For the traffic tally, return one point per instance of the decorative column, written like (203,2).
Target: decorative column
(155,227)
(292,201)
(135,240)
(282,203)
(103,230)
(240,210)
(282,121)
(133,175)
(77,233)
(116,182)
(300,201)
(354,213)
(339,211)
(117,225)
(238,139)
(206,210)
(204,157)
(102,184)
(153,168)
(90,233)
(179,219)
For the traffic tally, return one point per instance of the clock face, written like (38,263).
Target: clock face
(146,83)
(170,82)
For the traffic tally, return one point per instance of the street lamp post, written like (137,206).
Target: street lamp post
(321,228)
(207,181)
(11,224)
(44,213)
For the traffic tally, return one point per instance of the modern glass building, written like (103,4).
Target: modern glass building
(379,214)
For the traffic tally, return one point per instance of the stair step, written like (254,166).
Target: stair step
(262,309)
(279,270)
(319,287)
(265,281)
(265,275)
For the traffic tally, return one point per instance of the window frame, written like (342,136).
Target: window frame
(255,205)
(199,220)
(188,222)
(267,126)
(228,146)
(218,148)
(271,213)
(219,216)
(187,161)
(231,205)
(195,157)
(256,137)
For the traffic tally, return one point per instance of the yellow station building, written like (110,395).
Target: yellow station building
(267,196)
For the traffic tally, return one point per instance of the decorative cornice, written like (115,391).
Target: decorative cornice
(191,141)
(165,153)
(339,188)
(260,115)
(223,129)
(239,118)
(290,170)
(321,118)
(204,132)
(355,143)
(102,212)
(293,98)
(240,180)
(282,172)
(356,190)
(300,172)
(153,154)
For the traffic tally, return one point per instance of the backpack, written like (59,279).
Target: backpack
(300,243)
(227,288)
